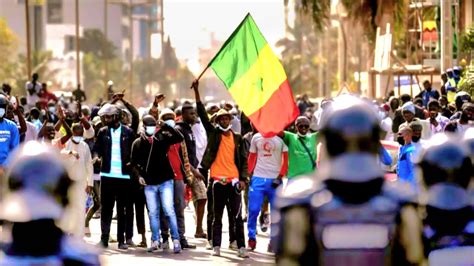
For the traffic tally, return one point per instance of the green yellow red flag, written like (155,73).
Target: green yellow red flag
(256,79)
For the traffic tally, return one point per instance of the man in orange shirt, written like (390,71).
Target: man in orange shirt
(226,159)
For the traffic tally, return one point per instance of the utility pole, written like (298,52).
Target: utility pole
(78,59)
(28,40)
(106,60)
(130,19)
(446,35)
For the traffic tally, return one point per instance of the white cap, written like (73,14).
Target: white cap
(108,109)
(167,111)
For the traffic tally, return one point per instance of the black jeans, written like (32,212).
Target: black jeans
(227,194)
(138,198)
(179,206)
(96,202)
(210,214)
(116,190)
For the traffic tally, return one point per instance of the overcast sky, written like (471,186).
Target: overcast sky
(189,22)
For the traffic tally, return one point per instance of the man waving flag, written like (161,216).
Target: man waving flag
(256,79)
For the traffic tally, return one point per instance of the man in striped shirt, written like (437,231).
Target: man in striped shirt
(113,147)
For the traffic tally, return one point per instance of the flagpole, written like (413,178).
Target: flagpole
(225,43)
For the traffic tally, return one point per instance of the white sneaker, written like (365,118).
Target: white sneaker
(165,245)
(176,246)
(233,245)
(243,253)
(154,246)
(216,251)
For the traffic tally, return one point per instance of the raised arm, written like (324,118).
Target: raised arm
(201,110)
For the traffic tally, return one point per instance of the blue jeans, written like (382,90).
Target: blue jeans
(161,195)
(259,188)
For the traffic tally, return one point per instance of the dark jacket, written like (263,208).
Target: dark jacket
(103,148)
(150,160)
(214,136)
(398,118)
(187,132)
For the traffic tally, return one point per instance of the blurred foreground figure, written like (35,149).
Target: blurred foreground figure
(34,200)
(448,228)
(347,214)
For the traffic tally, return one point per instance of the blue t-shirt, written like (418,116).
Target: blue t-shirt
(406,166)
(9,139)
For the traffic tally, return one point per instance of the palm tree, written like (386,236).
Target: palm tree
(369,13)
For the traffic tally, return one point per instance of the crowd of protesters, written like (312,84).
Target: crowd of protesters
(131,162)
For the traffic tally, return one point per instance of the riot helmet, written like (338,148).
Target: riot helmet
(445,160)
(36,184)
(351,133)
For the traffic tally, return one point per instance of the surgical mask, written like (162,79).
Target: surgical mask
(77,139)
(301,135)
(2,112)
(415,139)
(170,122)
(224,129)
(150,130)
(52,109)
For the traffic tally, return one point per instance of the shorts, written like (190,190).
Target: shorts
(199,189)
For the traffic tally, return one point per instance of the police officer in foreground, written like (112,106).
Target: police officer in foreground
(346,213)
(33,201)
(448,228)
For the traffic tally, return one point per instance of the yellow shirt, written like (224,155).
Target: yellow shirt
(224,164)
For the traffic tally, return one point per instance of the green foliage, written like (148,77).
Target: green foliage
(8,46)
(300,54)
(468,85)
(95,42)
(467,41)
(18,75)
(318,10)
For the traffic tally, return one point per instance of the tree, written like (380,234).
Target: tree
(467,42)
(97,49)
(95,42)
(8,46)
(369,13)
(300,54)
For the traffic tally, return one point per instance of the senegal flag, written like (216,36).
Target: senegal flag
(256,79)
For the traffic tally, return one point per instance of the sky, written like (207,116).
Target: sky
(190,22)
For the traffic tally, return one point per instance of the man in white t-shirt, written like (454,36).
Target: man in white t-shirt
(33,88)
(267,163)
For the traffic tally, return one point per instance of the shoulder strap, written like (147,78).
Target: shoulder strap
(313,163)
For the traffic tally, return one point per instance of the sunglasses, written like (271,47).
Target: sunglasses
(303,126)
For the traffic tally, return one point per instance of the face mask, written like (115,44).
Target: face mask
(401,140)
(415,139)
(52,109)
(2,112)
(77,139)
(224,129)
(150,130)
(170,122)
(300,134)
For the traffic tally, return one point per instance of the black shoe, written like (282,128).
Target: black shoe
(103,244)
(185,244)
(123,246)
(130,243)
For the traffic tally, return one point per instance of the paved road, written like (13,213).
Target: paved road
(199,256)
